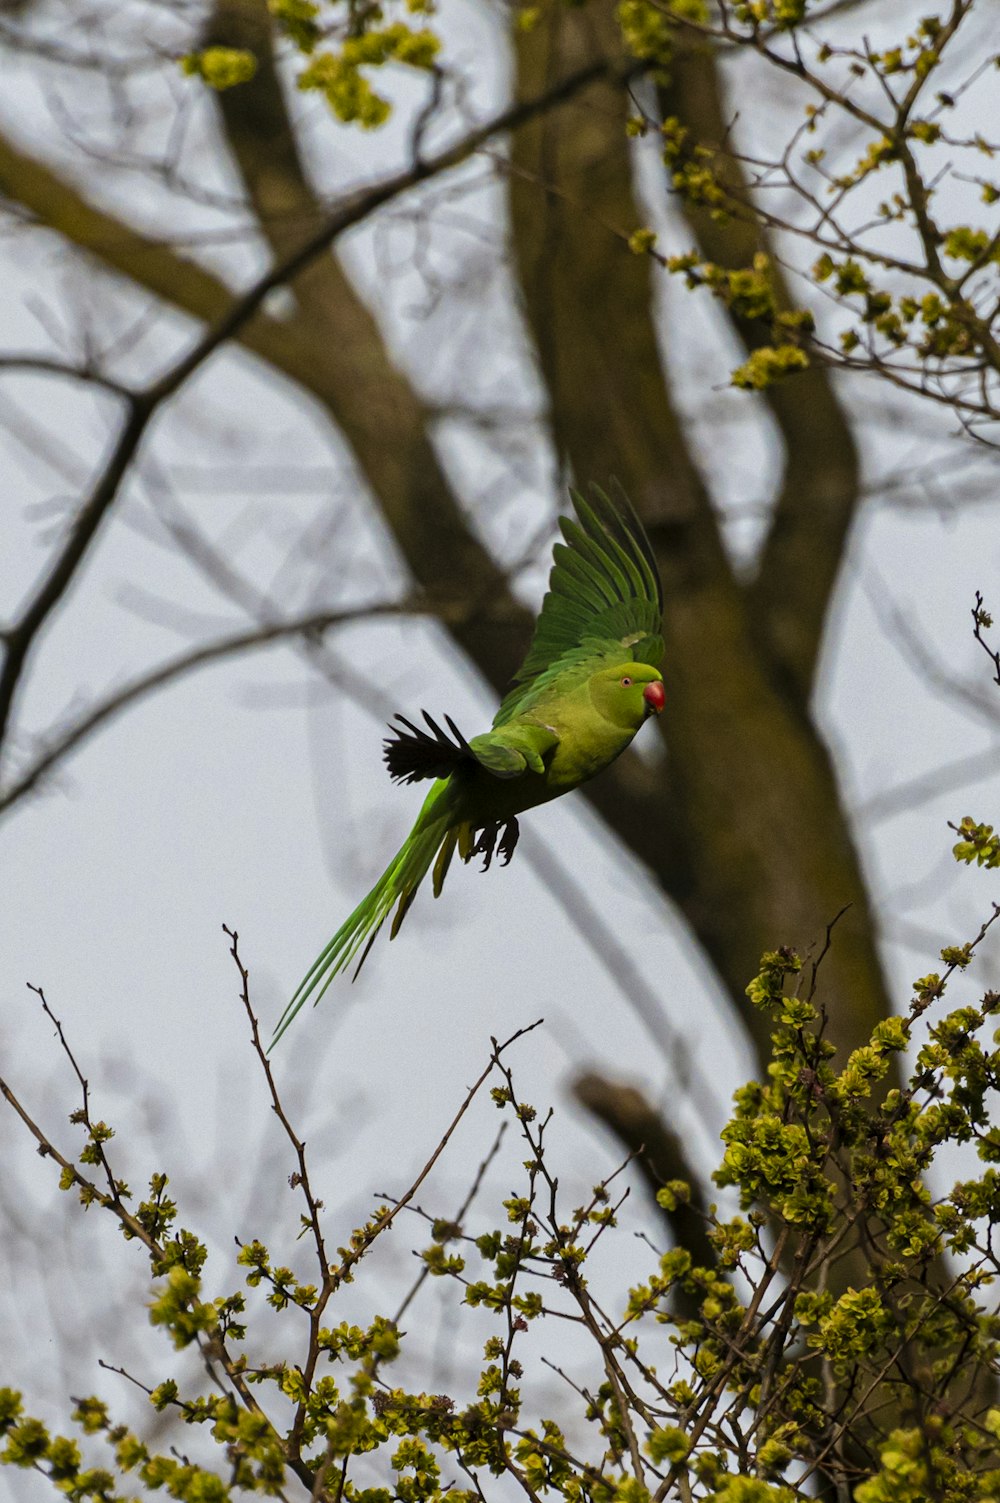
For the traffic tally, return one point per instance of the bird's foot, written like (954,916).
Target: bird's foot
(486,844)
(509,839)
(491,842)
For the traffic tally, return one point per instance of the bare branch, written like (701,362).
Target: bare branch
(301,1177)
(982,621)
(312,626)
(144,405)
(801,555)
(660,1156)
(363,1240)
(637,994)
(89,375)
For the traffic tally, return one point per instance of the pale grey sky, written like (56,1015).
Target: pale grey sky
(253,795)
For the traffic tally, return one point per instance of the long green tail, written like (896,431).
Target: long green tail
(433,834)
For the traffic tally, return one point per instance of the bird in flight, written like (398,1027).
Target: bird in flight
(589,681)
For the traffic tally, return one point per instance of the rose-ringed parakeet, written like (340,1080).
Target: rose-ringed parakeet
(587,684)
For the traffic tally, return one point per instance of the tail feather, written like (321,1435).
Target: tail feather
(443,861)
(398,883)
(404,903)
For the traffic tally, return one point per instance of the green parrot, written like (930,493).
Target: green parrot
(587,684)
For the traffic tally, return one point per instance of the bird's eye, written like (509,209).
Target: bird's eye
(626,681)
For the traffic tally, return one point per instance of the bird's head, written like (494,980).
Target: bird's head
(628,693)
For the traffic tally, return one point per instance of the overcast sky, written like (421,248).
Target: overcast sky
(254,794)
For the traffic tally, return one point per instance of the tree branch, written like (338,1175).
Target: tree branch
(143,405)
(235,645)
(660,1156)
(800,560)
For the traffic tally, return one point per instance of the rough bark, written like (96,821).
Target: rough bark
(376,408)
(760,847)
(797,572)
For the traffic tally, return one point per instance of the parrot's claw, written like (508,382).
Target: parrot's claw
(491,842)
(509,839)
(485,845)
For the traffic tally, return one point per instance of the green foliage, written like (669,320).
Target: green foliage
(978,843)
(342,45)
(782,14)
(221,67)
(337,73)
(339,43)
(907,299)
(646,30)
(769,364)
(748,292)
(641,241)
(297,19)
(863,1381)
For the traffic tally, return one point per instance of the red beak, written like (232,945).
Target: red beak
(654,696)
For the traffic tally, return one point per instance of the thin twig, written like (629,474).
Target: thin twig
(983,620)
(301,1177)
(143,405)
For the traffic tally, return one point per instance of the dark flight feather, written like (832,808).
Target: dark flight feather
(414,754)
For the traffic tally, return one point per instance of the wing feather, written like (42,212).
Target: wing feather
(618,583)
(604,602)
(614,557)
(411,753)
(629,538)
(600,589)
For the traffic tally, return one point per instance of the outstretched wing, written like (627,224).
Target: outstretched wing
(413,753)
(604,602)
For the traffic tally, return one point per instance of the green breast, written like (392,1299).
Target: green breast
(586,748)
